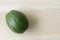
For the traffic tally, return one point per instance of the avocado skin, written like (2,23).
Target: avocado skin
(17,21)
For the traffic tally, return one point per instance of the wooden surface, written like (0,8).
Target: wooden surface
(43,16)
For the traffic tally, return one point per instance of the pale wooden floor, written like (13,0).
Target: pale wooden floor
(43,16)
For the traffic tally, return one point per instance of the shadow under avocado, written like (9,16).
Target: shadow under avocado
(32,19)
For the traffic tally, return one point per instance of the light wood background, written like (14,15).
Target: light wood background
(43,16)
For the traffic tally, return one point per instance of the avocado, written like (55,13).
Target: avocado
(17,21)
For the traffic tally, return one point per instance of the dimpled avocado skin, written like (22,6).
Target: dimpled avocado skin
(17,21)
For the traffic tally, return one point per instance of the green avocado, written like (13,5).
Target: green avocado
(17,21)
